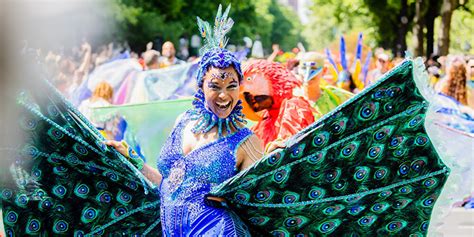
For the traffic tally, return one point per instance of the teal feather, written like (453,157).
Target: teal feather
(218,17)
(215,38)
(380,207)
(367,221)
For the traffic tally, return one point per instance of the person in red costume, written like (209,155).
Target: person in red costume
(267,96)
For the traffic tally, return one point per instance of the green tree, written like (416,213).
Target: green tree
(432,13)
(264,23)
(141,21)
(331,18)
(447,9)
(285,26)
(462,26)
(426,12)
(393,19)
(389,22)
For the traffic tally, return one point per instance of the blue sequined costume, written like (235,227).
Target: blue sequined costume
(188,178)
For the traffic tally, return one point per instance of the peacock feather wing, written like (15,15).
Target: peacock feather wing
(64,181)
(368,168)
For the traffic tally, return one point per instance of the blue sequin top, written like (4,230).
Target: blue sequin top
(188,178)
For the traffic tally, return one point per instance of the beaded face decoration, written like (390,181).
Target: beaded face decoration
(215,55)
(221,75)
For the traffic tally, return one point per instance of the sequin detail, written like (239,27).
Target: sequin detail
(176,176)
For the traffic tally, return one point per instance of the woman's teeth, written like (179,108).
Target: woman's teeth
(223,105)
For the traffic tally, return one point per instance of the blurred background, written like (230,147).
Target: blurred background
(423,27)
(141,55)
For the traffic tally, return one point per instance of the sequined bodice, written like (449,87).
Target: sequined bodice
(188,178)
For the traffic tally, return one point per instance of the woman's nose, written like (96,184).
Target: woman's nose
(222,95)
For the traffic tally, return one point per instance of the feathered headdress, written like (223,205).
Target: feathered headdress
(341,70)
(213,52)
(216,38)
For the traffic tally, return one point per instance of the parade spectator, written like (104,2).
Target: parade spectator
(434,74)
(102,96)
(257,48)
(454,84)
(183,48)
(470,83)
(381,67)
(105,53)
(79,74)
(169,55)
(151,59)
(276,51)
(433,61)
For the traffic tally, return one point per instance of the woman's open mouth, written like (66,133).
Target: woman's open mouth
(223,105)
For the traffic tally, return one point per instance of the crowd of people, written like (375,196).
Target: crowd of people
(322,81)
(71,67)
(451,75)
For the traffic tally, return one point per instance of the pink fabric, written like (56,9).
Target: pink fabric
(123,92)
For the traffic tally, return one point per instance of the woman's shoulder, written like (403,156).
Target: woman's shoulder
(249,151)
(248,139)
(183,116)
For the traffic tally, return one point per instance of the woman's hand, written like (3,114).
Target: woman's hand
(278,143)
(119,146)
(151,173)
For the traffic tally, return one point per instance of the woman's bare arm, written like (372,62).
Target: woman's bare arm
(249,152)
(152,174)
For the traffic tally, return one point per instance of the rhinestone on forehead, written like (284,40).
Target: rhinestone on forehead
(222,75)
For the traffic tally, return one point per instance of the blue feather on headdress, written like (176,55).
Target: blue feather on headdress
(216,38)
(331,60)
(359,48)
(343,53)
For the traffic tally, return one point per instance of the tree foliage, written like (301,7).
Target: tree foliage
(462,28)
(384,23)
(285,27)
(330,19)
(389,23)
(141,21)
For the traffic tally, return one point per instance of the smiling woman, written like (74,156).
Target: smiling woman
(208,145)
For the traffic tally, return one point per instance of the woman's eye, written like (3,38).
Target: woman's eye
(232,87)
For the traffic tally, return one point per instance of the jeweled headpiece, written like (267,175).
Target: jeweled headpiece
(213,52)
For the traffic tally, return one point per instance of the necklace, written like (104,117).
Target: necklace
(207,119)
